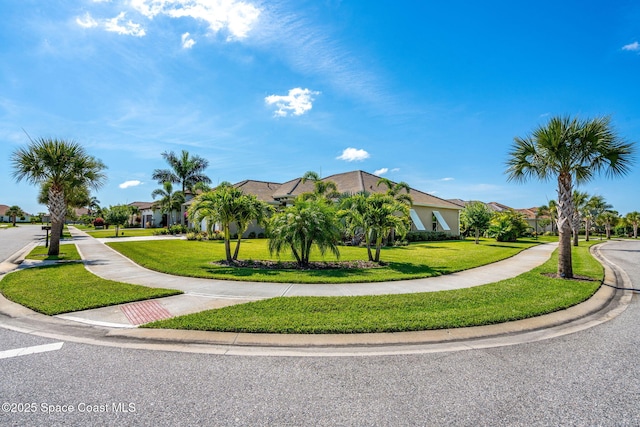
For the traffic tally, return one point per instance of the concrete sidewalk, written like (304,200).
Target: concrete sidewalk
(202,294)
(116,325)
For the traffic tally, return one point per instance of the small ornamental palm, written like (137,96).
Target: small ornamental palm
(308,223)
(61,165)
(570,150)
(170,200)
(13,212)
(633,218)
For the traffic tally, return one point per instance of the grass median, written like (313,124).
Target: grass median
(531,294)
(418,260)
(68,287)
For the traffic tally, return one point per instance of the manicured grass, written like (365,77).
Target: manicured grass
(68,252)
(124,232)
(194,259)
(530,294)
(64,288)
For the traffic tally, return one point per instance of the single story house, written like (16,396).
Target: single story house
(428,213)
(4,217)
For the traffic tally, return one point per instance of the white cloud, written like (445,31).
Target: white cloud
(380,171)
(353,155)
(132,183)
(86,21)
(128,29)
(298,102)
(395,170)
(446,179)
(237,16)
(634,47)
(187,42)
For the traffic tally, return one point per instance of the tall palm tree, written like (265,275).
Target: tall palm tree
(13,212)
(186,170)
(170,200)
(580,199)
(633,218)
(570,150)
(62,165)
(595,206)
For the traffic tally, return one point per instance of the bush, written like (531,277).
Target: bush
(252,235)
(177,229)
(98,222)
(192,236)
(261,235)
(429,236)
(160,232)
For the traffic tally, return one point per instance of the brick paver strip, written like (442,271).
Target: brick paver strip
(145,312)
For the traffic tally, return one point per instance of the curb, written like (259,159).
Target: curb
(604,305)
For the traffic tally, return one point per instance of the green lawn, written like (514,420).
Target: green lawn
(68,252)
(530,294)
(194,259)
(64,288)
(124,232)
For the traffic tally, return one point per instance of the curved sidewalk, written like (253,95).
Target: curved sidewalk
(110,326)
(203,294)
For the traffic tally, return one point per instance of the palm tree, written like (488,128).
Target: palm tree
(608,219)
(170,200)
(186,170)
(226,205)
(395,190)
(580,199)
(13,212)
(93,206)
(308,223)
(633,218)
(353,210)
(321,189)
(593,208)
(249,208)
(570,150)
(62,165)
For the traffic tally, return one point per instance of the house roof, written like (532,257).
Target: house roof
(357,182)
(142,205)
(3,209)
(263,190)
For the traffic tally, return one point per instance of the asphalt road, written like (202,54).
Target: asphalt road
(587,378)
(12,239)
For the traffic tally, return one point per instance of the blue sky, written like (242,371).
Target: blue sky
(431,93)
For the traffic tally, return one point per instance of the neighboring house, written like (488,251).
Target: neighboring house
(528,213)
(4,217)
(150,215)
(428,213)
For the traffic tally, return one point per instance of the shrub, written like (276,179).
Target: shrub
(429,236)
(177,229)
(98,222)
(261,235)
(160,232)
(192,236)
(252,235)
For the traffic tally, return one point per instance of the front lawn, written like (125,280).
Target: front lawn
(196,259)
(68,252)
(64,288)
(528,295)
(123,232)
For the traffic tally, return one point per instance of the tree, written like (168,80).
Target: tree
(376,215)
(477,216)
(117,215)
(580,199)
(633,219)
(570,150)
(321,189)
(608,219)
(13,212)
(186,170)
(226,205)
(62,165)
(395,190)
(507,226)
(308,223)
(170,200)
(593,208)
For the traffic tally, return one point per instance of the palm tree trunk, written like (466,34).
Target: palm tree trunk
(58,210)
(235,253)
(477,235)
(378,246)
(587,226)
(635,230)
(227,243)
(565,212)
